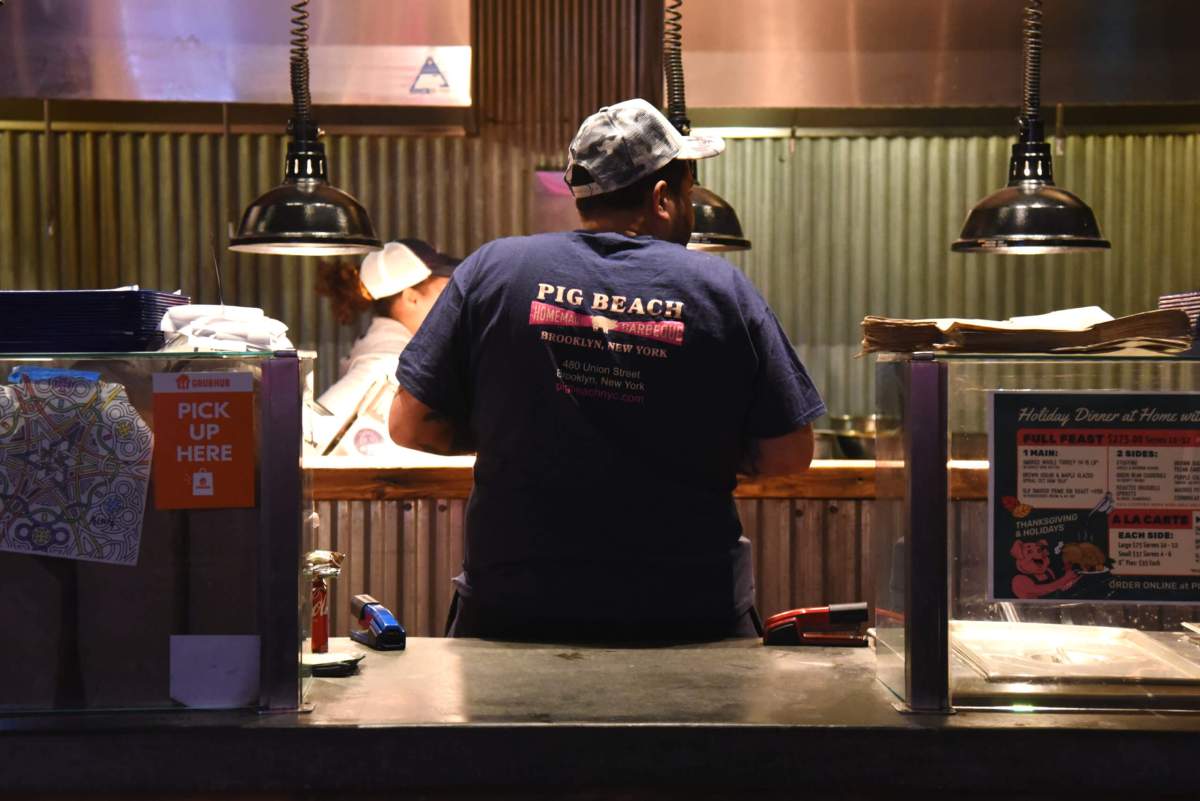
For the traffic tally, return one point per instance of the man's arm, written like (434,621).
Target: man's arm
(788,455)
(412,424)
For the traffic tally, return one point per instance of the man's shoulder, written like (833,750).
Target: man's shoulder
(708,263)
(700,267)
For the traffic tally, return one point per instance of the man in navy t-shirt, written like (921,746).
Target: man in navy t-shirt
(613,384)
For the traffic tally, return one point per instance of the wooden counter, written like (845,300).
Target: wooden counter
(830,478)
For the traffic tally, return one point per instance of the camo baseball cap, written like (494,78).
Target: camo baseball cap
(627,141)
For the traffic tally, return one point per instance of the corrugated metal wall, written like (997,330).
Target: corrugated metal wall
(848,226)
(842,226)
(148,208)
(544,65)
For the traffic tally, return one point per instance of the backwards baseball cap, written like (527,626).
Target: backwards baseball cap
(624,142)
(401,265)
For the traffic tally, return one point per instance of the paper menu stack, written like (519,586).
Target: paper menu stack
(1084,330)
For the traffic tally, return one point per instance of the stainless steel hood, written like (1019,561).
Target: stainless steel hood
(363,52)
(935,53)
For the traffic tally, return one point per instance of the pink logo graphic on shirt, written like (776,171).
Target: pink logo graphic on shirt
(669,331)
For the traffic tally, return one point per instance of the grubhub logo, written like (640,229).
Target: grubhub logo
(183,382)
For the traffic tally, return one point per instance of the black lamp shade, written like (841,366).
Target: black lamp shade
(304,215)
(305,218)
(1030,217)
(717,227)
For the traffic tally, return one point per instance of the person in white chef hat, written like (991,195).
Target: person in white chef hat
(399,284)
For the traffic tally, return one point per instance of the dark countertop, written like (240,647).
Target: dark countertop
(474,718)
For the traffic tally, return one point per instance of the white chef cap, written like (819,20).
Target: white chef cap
(391,270)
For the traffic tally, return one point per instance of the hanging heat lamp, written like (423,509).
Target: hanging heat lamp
(304,215)
(717,226)
(1031,215)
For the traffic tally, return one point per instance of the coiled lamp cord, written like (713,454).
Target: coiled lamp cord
(673,68)
(1032,129)
(301,99)
(1033,59)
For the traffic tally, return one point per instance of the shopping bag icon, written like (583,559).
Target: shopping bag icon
(202,482)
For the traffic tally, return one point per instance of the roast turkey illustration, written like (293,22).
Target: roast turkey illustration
(1084,556)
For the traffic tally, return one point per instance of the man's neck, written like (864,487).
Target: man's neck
(629,225)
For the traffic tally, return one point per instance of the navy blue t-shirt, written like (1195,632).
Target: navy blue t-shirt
(609,384)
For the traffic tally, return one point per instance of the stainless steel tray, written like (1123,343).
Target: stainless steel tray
(1048,652)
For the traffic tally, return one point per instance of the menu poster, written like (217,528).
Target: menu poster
(1094,496)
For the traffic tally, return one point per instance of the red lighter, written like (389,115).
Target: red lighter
(836,624)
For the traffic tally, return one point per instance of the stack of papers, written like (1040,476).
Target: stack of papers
(1188,301)
(84,320)
(1084,330)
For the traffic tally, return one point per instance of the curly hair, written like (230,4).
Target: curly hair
(338,281)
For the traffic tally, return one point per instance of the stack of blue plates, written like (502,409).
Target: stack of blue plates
(84,321)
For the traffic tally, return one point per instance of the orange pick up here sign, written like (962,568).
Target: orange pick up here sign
(203,440)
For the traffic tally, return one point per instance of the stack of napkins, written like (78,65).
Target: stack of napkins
(1084,330)
(240,329)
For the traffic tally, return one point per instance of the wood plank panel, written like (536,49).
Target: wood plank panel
(866,555)
(376,583)
(834,478)
(408,573)
(323,532)
(775,535)
(353,580)
(424,567)
(393,565)
(808,555)
(340,541)
(840,536)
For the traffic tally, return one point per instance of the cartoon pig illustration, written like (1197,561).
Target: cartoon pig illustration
(1036,579)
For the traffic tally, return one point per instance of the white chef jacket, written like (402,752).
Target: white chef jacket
(374,355)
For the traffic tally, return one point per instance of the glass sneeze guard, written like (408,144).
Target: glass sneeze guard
(1043,531)
(120,594)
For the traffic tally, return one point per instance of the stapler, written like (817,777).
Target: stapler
(836,624)
(378,627)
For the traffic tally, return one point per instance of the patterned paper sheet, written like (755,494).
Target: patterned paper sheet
(74,468)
